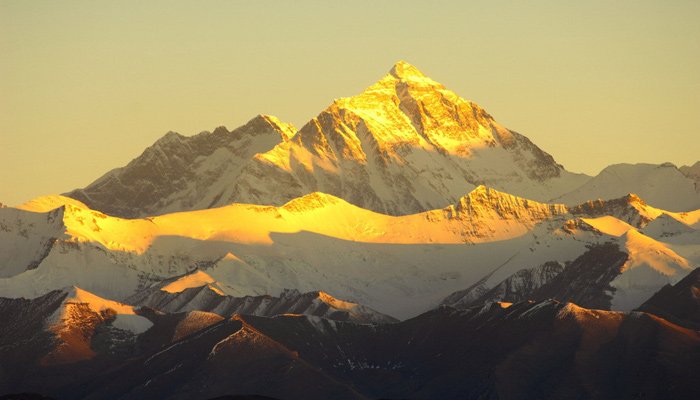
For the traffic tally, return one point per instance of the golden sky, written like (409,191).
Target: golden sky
(85,86)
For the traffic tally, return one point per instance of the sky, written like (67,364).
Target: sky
(86,86)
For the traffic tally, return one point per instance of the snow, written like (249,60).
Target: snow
(691,218)
(125,318)
(397,265)
(666,225)
(184,173)
(134,323)
(25,238)
(195,279)
(608,225)
(651,265)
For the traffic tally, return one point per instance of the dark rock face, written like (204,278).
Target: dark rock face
(518,287)
(584,281)
(679,303)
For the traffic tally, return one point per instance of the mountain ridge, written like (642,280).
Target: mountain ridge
(368,258)
(172,174)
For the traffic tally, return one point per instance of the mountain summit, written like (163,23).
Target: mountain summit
(406,144)
(404,70)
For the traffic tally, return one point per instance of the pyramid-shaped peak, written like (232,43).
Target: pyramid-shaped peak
(483,198)
(404,70)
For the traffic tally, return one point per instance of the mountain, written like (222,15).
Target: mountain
(396,265)
(585,281)
(505,350)
(249,250)
(617,273)
(183,173)
(64,337)
(679,303)
(208,267)
(523,350)
(663,186)
(404,145)
(63,323)
(198,291)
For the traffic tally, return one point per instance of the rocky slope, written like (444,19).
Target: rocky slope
(524,350)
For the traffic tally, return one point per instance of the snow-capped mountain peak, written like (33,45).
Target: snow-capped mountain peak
(404,70)
(404,145)
(408,108)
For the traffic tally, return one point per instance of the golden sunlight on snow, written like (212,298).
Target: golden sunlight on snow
(609,225)
(336,303)
(484,215)
(96,303)
(193,280)
(645,251)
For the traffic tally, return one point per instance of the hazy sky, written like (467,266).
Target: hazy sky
(85,86)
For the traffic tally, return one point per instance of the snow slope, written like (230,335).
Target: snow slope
(25,238)
(651,266)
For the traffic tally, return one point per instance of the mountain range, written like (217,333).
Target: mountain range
(401,244)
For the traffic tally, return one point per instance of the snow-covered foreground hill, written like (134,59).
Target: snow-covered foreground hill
(398,265)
